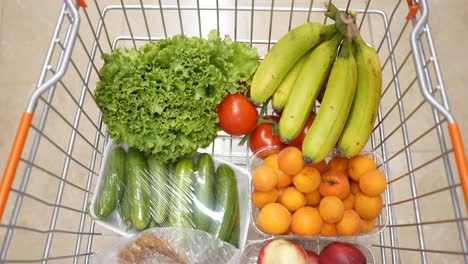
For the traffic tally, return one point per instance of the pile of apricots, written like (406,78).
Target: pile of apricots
(341,197)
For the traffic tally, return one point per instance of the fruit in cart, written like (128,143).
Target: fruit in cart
(341,252)
(360,164)
(281,95)
(204,189)
(297,141)
(306,88)
(334,183)
(284,180)
(292,199)
(312,256)
(306,221)
(158,178)
(113,185)
(373,183)
(338,163)
(280,192)
(368,207)
(162,98)
(350,224)
(181,213)
(226,202)
(290,160)
(334,109)
(331,209)
(366,101)
(281,251)
(321,166)
(237,115)
(307,180)
(348,202)
(313,198)
(328,230)
(260,199)
(284,54)
(137,187)
(264,178)
(274,219)
(367,225)
(354,187)
(264,136)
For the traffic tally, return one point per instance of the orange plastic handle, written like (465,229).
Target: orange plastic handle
(13,160)
(460,157)
(412,12)
(82,3)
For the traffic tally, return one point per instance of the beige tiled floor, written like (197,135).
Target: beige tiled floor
(26,27)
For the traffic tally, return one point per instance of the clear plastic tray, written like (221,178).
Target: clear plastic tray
(115,223)
(257,159)
(250,253)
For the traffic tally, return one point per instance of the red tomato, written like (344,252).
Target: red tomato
(297,142)
(237,115)
(262,137)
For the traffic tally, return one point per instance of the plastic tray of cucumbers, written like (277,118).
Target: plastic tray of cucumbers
(135,192)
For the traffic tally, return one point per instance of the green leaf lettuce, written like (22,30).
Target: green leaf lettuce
(162,98)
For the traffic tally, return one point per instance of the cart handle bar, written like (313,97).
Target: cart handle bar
(26,118)
(454,129)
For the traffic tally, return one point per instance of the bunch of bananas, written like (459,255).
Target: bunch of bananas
(295,69)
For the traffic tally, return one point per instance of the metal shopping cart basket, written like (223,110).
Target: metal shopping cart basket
(50,175)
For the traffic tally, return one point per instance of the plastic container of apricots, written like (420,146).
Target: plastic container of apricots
(336,198)
(250,253)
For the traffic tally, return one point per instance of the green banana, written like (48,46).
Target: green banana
(335,107)
(306,88)
(281,95)
(365,106)
(283,55)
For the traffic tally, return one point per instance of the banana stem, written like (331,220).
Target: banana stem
(345,22)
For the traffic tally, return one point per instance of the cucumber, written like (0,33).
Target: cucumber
(158,183)
(204,192)
(137,173)
(226,202)
(182,195)
(125,210)
(113,185)
(153,224)
(234,237)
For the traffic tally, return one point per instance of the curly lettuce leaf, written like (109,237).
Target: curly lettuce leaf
(162,98)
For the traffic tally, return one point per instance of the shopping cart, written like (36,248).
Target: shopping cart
(52,173)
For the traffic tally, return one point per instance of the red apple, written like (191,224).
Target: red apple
(313,257)
(280,251)
(341,252)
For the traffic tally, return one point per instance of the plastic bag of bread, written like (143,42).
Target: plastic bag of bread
(167,245)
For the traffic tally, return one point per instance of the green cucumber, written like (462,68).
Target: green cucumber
(204,192)
(226,202)
(158,182)
(125,210)
(153,224)
(234,237)
(182,195)
(113,185)
(138,190)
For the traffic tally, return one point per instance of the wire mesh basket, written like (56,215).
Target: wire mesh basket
(50,176)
